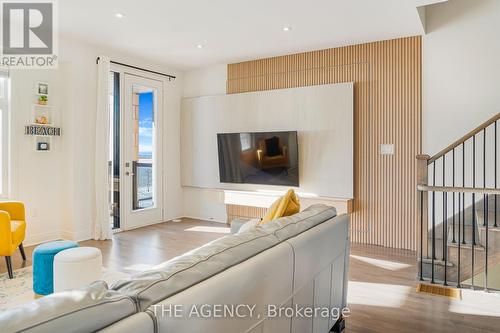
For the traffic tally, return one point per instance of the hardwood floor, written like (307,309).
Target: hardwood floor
(382,297)
(143,247)
(382,293)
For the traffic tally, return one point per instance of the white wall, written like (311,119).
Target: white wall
(207,204)
(205,81)
(57,186)
(322,115)
(39,179)
(461,69)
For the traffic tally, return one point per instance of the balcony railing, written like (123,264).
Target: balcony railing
(143,184)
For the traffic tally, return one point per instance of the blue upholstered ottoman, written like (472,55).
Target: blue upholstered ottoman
(43,265)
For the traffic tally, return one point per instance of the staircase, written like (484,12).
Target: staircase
(459,204)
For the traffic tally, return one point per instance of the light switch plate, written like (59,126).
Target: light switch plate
(386,149)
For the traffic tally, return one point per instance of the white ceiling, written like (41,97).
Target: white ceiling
(168,31)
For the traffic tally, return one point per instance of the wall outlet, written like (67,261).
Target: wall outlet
(386,149)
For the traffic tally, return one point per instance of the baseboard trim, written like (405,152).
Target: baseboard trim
(56,235)
(77,236)
(170,219)
(41,238)
(142,225)
(205,218)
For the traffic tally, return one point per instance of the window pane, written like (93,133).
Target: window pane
(143,192)
(3,87)
(114,149)
(4,83)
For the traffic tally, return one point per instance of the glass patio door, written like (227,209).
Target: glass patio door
(141,146)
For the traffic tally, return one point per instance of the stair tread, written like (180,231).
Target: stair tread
(468,246)
(490,228)
(491,204)
(437,262)
(491,217)
(449,269)
(467,234)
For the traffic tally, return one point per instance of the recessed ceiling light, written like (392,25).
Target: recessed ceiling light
(119,15)
(199,46)
(287,28)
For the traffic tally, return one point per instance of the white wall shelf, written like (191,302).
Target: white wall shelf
(41,127)
(38,111)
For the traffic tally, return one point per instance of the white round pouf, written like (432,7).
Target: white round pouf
(77,267)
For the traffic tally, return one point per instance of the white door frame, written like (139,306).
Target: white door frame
(129,218)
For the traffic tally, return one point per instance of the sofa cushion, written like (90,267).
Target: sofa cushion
(249,225)
(84,310)
(175,275)
(290,226)
(237,223)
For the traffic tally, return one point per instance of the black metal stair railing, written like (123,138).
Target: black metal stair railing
(464,249)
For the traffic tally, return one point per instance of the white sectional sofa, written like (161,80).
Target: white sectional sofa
(293,263)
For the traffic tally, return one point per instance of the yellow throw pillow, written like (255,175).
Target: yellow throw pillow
(287,205)
(271,211)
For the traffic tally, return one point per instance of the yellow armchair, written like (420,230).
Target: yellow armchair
(12,231)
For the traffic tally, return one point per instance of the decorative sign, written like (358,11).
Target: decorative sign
(42,130)
(43,146)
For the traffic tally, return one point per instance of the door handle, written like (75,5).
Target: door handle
(129,173)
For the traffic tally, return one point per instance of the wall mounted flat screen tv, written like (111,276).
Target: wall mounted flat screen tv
(270,158)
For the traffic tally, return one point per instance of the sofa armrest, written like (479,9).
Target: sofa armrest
(237,223)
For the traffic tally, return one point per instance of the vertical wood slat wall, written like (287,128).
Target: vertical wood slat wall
(238,211)
(387,109)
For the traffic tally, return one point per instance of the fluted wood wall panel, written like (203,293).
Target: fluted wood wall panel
(238,211)
(387,109)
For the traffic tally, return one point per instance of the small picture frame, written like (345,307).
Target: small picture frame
(43,146)
(42,89)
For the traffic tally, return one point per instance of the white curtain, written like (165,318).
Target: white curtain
(102,219)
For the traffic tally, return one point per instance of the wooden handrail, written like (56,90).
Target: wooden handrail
(426,188)
(464,138)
